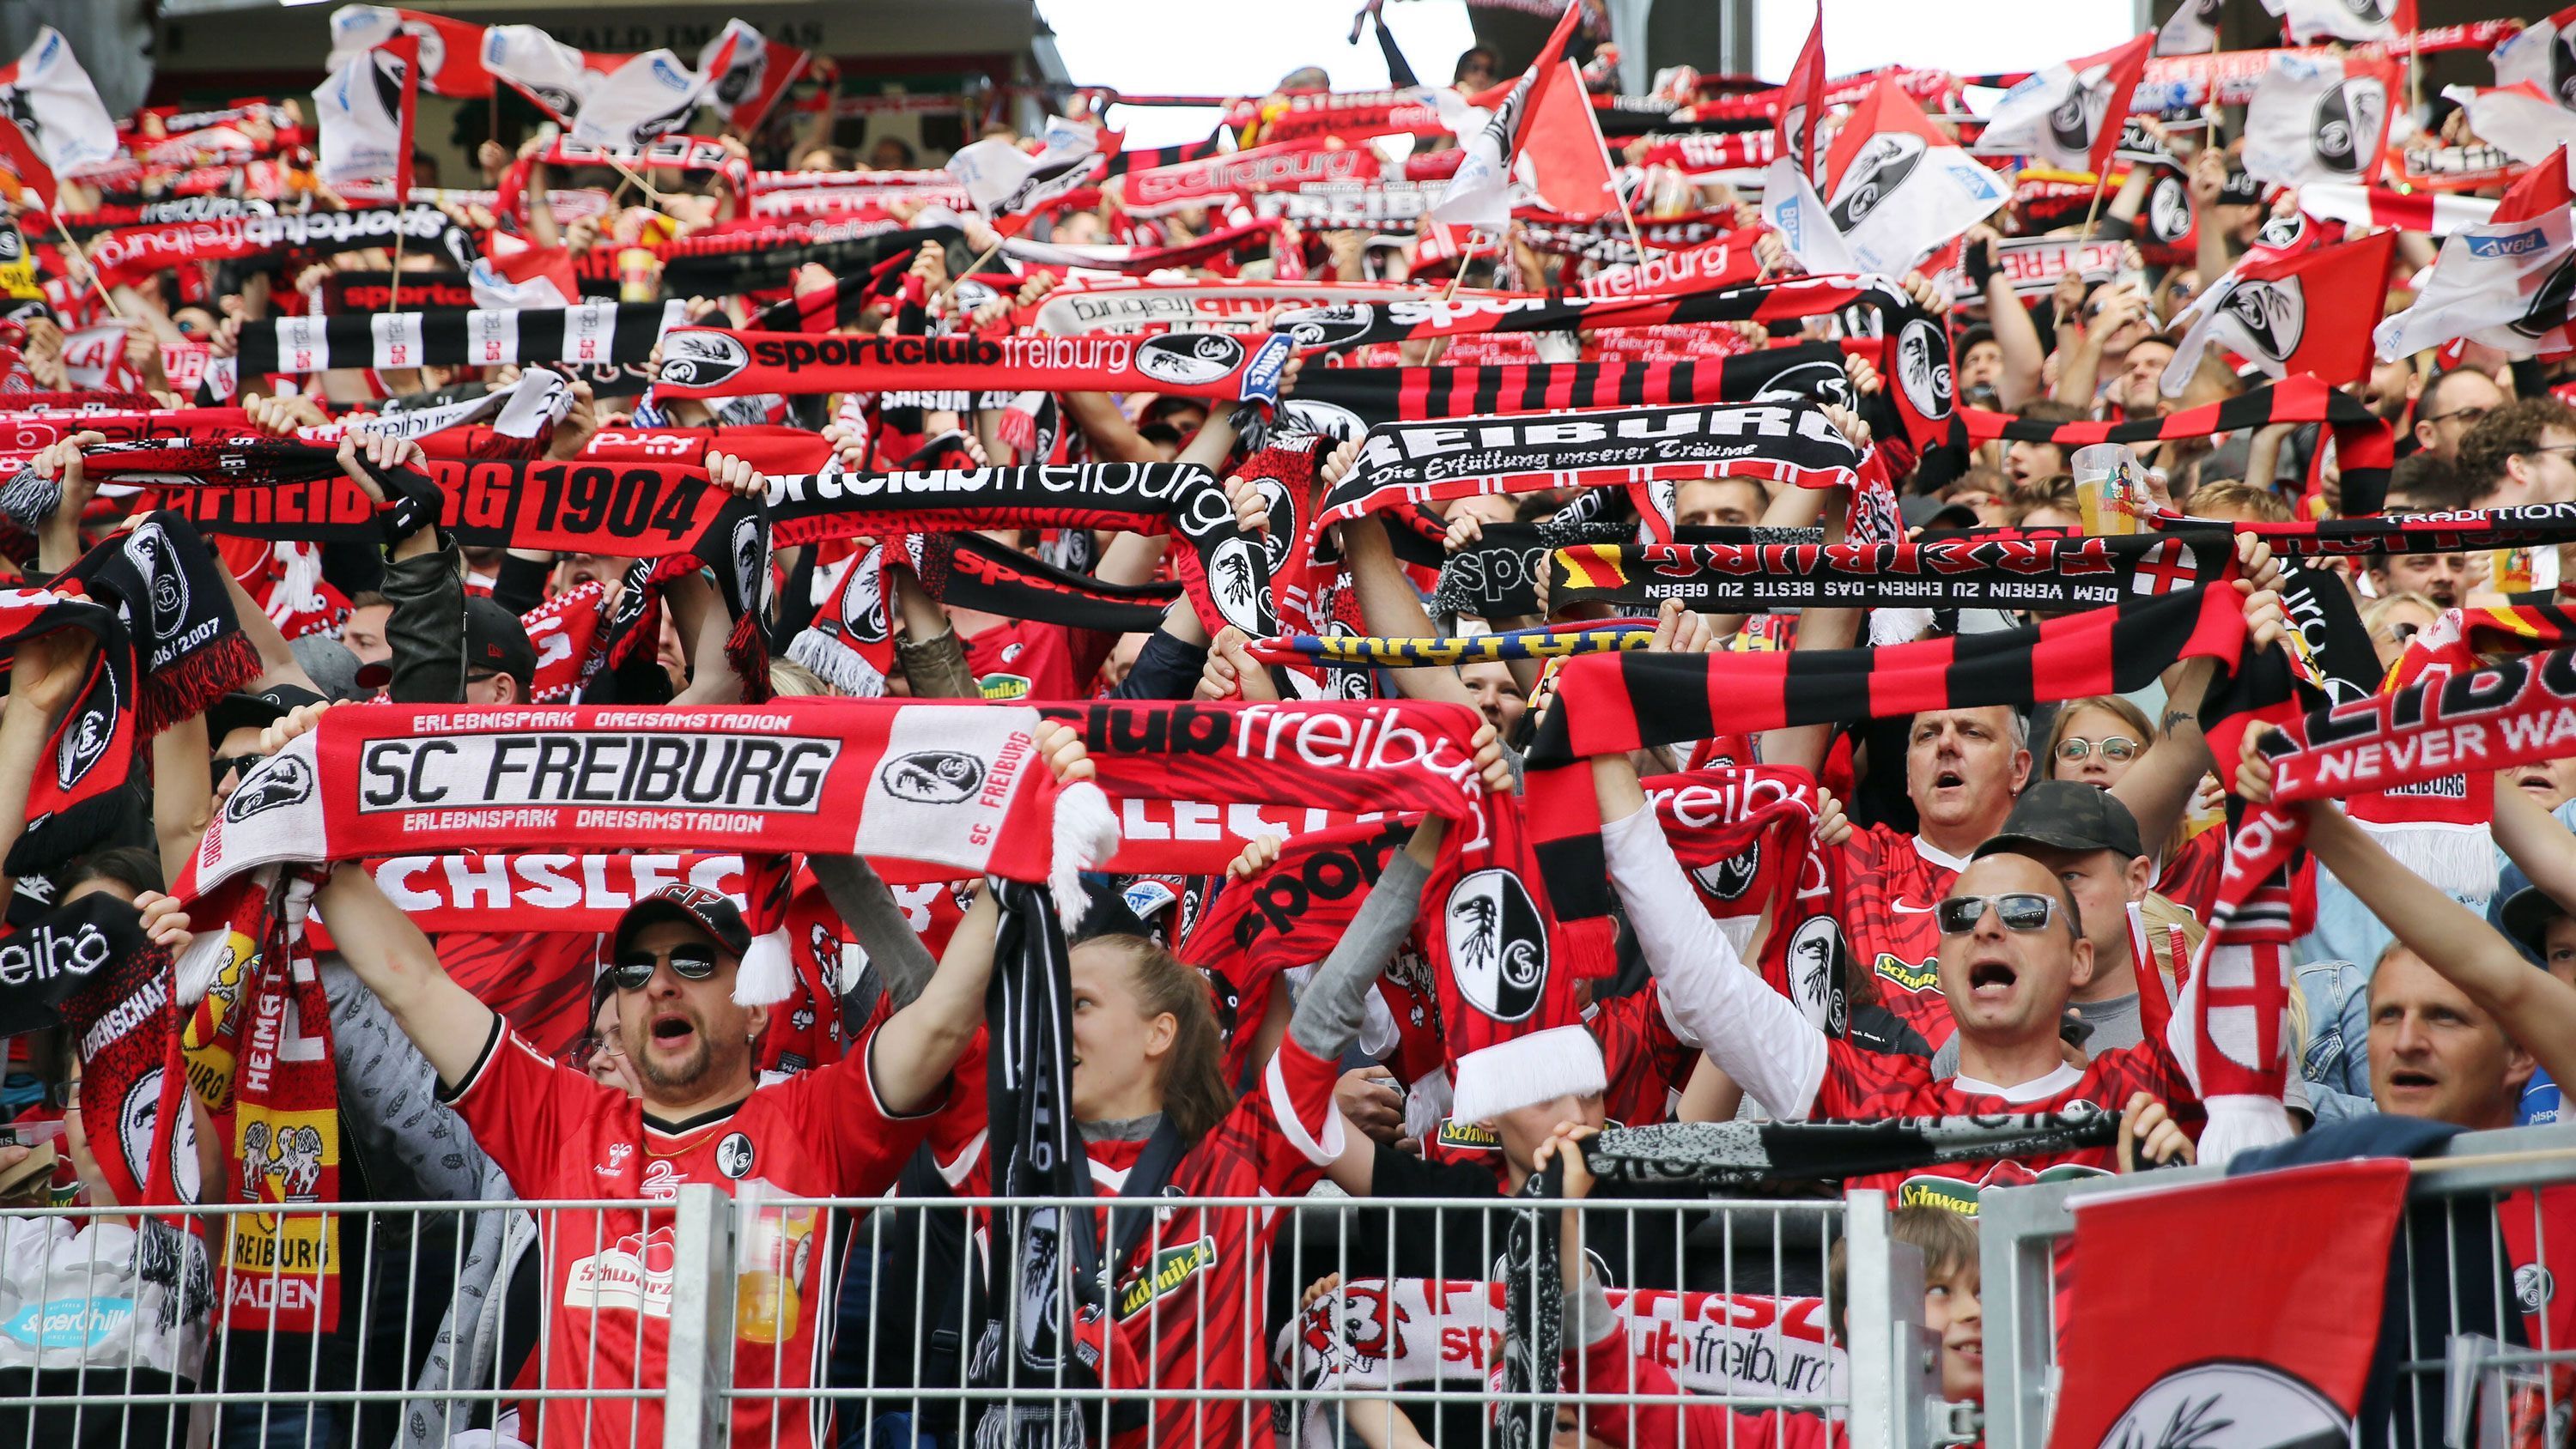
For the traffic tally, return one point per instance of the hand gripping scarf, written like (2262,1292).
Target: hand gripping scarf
(1628,701)
(128,253)
(1227,574)
(124,1024)
(669,515)
(1789,441)
(76,797)
(2016,571)
(1919,416)
(956,786)
(1291,916)
(706,362)
(2363,447)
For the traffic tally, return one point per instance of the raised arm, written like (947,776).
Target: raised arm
(912,1055)
(2536,1009)
(1754,1034)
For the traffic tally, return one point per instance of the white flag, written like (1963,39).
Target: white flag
(359,111)
(2310,21)
(640,102)
(49,98)
(1898,188)
(1791,206)
(550,72)
(2318,119)
(2543,54)
(2509,285)
(1001,180)
(2193,29)
(2519,120)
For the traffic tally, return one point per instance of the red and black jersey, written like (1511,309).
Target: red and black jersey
(1866,1086)
(1185,1308)
(1647,1065)
(1891,882)
(609,1272)
(2191,877)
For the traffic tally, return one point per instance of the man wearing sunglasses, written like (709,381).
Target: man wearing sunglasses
(2089,841)
(842,1130)
(2013,951)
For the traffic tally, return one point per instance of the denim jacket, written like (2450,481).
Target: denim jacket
(2336,1058)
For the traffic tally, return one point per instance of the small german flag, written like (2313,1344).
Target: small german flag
(1591,566)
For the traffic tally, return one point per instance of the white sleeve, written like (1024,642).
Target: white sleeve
(1754,1034)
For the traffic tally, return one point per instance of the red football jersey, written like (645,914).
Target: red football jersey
(1867,1086)
(1185,1309)
(1891,882)
(560,1135)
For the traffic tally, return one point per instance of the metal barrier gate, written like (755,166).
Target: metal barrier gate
(2455,1199)
(786,1322)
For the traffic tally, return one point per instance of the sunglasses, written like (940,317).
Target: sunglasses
(2117,747)
(2023,911)
(689,963)
(228,767)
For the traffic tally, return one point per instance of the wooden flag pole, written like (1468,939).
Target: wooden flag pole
(95,280)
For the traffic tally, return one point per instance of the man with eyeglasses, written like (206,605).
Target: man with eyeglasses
(2013,950)
(2523,452)
(2451,404)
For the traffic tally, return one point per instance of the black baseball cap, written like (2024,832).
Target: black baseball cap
(497,643)
(2067,815)
(1922,510)
(239,711)
(2526,917)
(710,911)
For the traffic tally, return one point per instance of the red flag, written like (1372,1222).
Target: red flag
(1803,103)
(2128,64)
(451,50)
(34,176)
(2269,1335)
(2308,312)
(1479,191)
(2542,191)
(1569,162)
(405,48)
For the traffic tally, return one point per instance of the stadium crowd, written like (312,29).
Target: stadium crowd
(1298,681)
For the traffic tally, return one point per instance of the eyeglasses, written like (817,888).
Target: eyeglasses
(689,963)
(2553,448)
(2400,633)
(2119,748)
(2467,416)
(591,1045)
(226,767)
(2023,911)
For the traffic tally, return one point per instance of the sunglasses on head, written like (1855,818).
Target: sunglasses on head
(689,963)
(2018,910)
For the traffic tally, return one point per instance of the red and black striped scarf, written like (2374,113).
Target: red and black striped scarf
(667,514)
(1610,703)
(2527,526)
(2364,448)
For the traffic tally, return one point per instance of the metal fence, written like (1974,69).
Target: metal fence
(707,1319)
(2481,1315)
